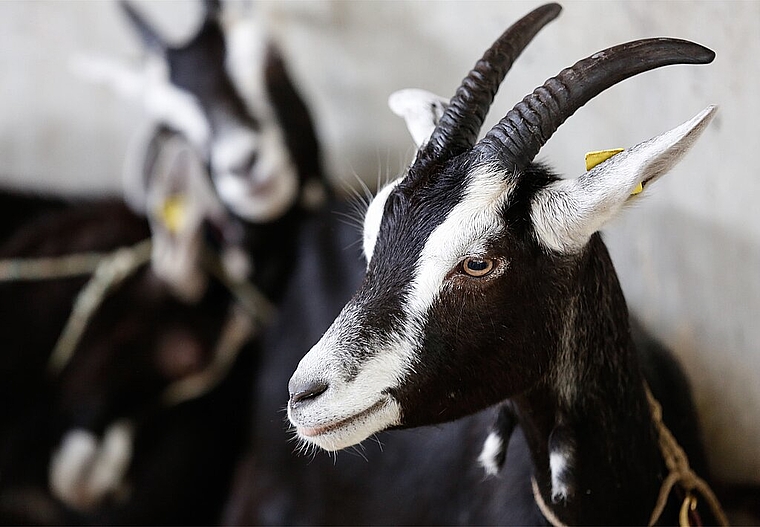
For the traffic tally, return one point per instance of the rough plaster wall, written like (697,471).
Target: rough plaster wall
(688,254)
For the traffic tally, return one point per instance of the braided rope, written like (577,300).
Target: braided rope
(51,267)
(679,472)
(543,507)
(110,272)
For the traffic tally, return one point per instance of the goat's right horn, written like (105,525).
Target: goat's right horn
(460,124)
(149,36)
(212,7)
(518,137)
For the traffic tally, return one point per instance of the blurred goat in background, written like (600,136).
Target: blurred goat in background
(144,402)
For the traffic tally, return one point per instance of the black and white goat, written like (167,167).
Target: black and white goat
(121,454)
(487,280)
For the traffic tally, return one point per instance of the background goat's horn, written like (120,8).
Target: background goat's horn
(518,137)
(460,125)
(213,7)
(150,38)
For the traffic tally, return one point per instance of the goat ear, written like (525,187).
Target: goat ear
(420,109)
(297,126)
(179,202)
(162,101)
(567,212)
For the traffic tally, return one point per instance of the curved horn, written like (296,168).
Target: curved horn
(148,35)
(460,125)
(518,137)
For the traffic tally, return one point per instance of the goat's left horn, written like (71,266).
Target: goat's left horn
(460,124)
(149,36)
(213,8)
(518,137)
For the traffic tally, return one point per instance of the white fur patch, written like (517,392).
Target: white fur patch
(493,448)
(84,470)
(247,43)
(558,464)
(374,216)
(326,361)
(265,192)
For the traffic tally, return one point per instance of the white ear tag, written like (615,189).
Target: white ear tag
(600,156)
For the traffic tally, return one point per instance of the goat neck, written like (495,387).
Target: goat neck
(587,421)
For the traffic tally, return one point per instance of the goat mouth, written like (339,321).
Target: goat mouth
(321,430)
(262,185)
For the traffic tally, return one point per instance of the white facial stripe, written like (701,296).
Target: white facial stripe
(373,218)
(466,230)
(246,51)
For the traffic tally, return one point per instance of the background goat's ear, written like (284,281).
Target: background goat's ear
(297,126)
(179,202)
(148,35)
(566,213)
(420,109)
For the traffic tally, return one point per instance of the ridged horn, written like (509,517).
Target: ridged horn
(518,137)
(148,35)
(460,125)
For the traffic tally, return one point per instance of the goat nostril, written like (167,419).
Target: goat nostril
(310,390)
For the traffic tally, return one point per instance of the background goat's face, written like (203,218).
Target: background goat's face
(249,161)
(195,89)
(252,171)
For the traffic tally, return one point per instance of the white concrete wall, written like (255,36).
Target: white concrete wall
(688,254)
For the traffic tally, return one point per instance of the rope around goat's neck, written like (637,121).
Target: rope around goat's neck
(543,507)
(50,267)
(679,472)
(108,271)
(112,270)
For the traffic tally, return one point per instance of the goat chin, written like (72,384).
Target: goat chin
(337,433)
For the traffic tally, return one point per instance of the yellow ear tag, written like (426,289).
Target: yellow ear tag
(172,212)
(600,156)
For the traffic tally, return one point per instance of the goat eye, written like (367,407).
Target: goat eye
(476,266)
